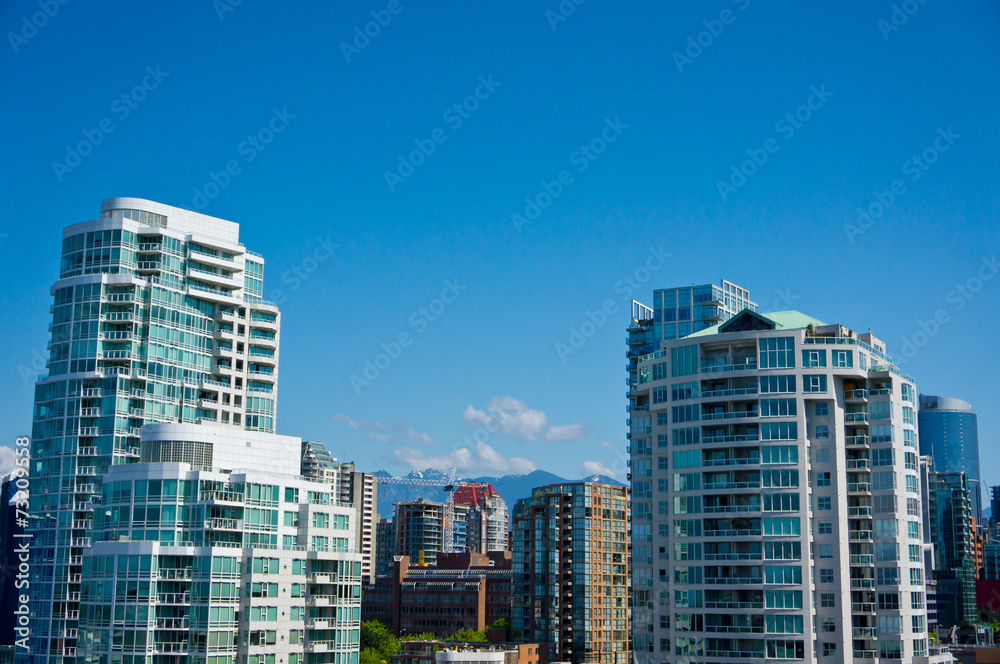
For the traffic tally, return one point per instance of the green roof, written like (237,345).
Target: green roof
(781,320)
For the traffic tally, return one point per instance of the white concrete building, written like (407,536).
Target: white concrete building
(776,499)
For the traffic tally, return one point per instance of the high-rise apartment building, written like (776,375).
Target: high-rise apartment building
(950,528)
(571,572)
(385,545)
(949,435)
(487,521)
(157,317)
(218,551)
(420,530)
(353,489)
(776,508)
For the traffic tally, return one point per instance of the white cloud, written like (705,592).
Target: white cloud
(572,431)
(7,459)
(396,432)
(481,459)
(514,418)
(610,446)
(598,468)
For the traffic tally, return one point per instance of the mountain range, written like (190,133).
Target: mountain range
(510,487)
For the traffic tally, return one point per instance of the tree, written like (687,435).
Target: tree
(468,634)
(504,624)
(377,643)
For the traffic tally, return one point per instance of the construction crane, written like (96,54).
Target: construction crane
(448,484)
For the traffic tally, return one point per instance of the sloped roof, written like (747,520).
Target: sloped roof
(776,320)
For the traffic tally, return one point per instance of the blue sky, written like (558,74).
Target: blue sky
(617,124)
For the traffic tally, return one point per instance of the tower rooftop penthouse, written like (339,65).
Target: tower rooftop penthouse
(776,505)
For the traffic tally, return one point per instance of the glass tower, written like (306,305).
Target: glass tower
(949,434)
(776,501)
(157,317)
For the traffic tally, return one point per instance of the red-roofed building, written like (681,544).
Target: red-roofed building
(487,522)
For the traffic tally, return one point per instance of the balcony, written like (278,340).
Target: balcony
(87,450)
(859,512)
(856,441)
(729,392)
(174,574)
(217,523)
(862,584)
(733,415)
(87,471)
(174,598)
(86,488)
(748,532)
(90,412)
(92,392)
(864,633)
(171,648)
(89,431)
(718,368)
(146,247)
(862,559)
(208,276)
(861,535)
(858,464)
(862,607)
(856,418)
(172,623)
(859,487)
(856,395)
(80,541)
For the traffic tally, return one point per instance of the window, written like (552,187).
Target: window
(888,601)
(884,504)
(779,431)
(828,600)
(679,391)
(889,625)
(822,408)
(882,457)
(828,625)
(913,529)
(822,432)
(777,384)
(814,383)
(826,576)
(826,551)
(918,624)
(843,358)
(912,507)
(689,413)
(890,649)
(822,479)
(781,525)
(825,527)
(884,480)
(659,370)
(887,576)
(661,419)
(907,415)
(687,481)
(782,550)
(780,478)
(779,624)
(916,554)
(687,459)
(781,502)
(661,440)
(916,600)
(291,495)
(779,454)
(783,574)
(829,649)
(661,463)
(886,552)
(822,455)
(777,407)
(683,361)
(690,436)
(885,527)
(777,353)
(916,576)
(783,599)
(911,484)
(814,358)
(659,395)
(824,503)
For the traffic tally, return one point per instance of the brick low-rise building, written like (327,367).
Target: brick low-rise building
(464,590)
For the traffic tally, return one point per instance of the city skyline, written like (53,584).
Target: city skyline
(360,259)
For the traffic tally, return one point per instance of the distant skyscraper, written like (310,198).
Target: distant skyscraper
(776,495)
(487,519)
(951,529)
(157,317)
(949,434)
(571,572)
(420,530)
